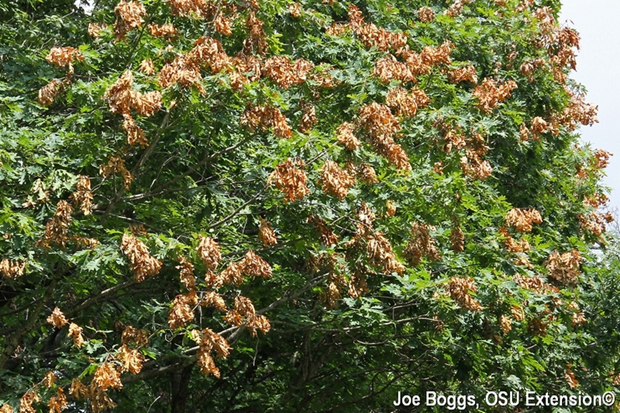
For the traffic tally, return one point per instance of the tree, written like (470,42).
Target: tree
(244,206)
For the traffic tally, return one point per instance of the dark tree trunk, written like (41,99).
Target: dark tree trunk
(180,388)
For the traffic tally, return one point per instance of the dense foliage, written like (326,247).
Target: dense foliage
(252,206)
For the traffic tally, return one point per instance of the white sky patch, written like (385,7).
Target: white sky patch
(597,70)
(87,5)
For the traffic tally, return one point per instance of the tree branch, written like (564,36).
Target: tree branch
(145,155)
(236,211)
(14,339)
(194,168)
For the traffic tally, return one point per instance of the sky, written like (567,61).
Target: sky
(598,69)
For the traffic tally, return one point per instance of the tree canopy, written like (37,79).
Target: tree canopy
(252,206)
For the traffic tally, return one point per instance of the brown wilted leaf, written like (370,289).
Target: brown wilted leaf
(83,195)
(209,252)
(142,263)
(371,35)
(129,332)
(181,312)
(78,390)
(131,359)
(290,179)
(505,323)
(249,66)
(12,269)
(601,159)
(94,29)
(438,168)
(421,244)
(511,245)
(378,121)
(524,133)
(388,69)
(422,100)
(48,93)
(472,164)
(295,9)
(119,95)
(25,403)
(335,181)
(308,118)
(183,71)
(266,234)
(432,55)
(233,318)
(244,306)
(538,125)
(490,94)
(213,299)
(191,8)
(116,164)
(223,24)
(367,174)
(390,208)
(460,288)
(594,222)
(256,42)
(49,379)
(259,322)
(380,254)
(426,14)
(165,30)
(57,228)
(517,313)
(212,341)
(523,218)
(130,16)
(142,338)
(357,284)
(456,8)
(255,266)
(578,318)
(345,136)
(232,274)
(331,296)
(99,399)
(186,273)
(285,73)
(148,103)
(405,104)
(414,62)
(106,377)
(59,402)
(57,318)
(564,267)
(207,365)
(266,117)
(457,238)
(534,283)
(75,332)
(463,74)
(328,237)
(63,56)
(571,380)
(147,67)
(381,125)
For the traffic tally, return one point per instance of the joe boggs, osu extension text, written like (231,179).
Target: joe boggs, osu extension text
(504,398)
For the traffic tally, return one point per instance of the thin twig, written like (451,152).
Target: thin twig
(236,211)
